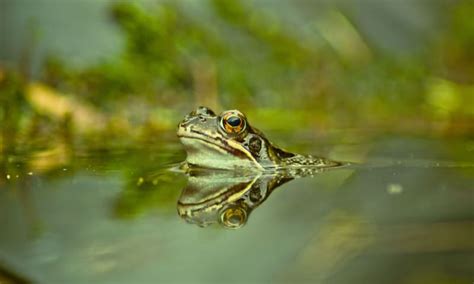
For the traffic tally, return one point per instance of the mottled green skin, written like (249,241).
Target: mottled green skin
(209,146)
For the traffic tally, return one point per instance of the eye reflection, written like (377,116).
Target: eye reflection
(234,217)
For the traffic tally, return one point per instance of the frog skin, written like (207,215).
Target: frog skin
(228,141)
(225,197)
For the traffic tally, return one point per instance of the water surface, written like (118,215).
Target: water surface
(109,215)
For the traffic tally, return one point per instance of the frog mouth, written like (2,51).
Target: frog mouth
(230,147)
(222,144)
(197,135)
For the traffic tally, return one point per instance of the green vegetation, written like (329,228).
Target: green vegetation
(244,57)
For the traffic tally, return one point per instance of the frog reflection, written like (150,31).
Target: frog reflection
(225,197)
(232,167)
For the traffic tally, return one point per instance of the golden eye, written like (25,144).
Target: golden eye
(233,123)
(234,217)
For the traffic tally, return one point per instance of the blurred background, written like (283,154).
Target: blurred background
(91,93)
(130,68)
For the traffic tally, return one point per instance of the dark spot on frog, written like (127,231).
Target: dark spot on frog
(255,145)
(283,154)
(255,194)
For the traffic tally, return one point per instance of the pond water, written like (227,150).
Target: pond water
(77,214)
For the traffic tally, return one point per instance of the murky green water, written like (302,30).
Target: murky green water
(109,215)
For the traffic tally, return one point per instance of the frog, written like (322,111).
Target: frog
(228,141)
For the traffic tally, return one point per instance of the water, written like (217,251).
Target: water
(109,215)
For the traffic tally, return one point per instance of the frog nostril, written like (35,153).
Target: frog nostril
(188,117)
(185,122)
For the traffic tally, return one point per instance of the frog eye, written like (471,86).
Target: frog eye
(233,217)
(233,122)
